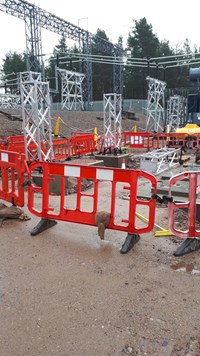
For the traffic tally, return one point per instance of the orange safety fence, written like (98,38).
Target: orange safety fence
(12,170)
(192,179)
(150,140)
(83,213)
(63,148)
(81,144)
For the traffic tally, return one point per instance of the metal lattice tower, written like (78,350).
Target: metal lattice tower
(176,110)
(33,40)
(118,71)
(112,120)
(86,68)
(36,117)
(155,105)
(36,18)
(71,89)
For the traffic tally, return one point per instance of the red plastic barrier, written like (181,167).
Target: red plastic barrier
(12,169)
(193,179)
(82,144)
(61,148)
(150,140)
(60,172)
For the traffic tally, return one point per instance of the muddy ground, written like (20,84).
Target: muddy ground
(71,121)
(65,292)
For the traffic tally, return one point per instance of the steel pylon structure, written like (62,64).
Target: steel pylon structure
(36,18)
(71,89)
(36,117)
(112,104)
(176,111)
(155,105)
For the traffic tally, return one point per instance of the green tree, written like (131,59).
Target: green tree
(59,50)
(69,62)
(102,73)
(13,64)
(186,47)
(142,41)
(144,44)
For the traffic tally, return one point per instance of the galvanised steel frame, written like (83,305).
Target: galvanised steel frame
(155,105)
(71,89)
(9,101)
(176,112)
(158,161)
(36,117)
(112,104)
(36,18)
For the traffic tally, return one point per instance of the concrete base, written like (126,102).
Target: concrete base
(54,185)
(175,191)
(113,161)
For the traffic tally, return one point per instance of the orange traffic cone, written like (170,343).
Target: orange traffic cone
(123,163)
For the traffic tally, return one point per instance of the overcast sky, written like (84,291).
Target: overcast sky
(172,20)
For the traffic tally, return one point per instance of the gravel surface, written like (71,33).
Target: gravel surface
(71,121)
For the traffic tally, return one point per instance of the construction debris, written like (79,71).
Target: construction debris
(12,212)
(102,219)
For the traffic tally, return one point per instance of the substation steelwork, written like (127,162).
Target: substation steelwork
(35,101)
(36,18)
(71,89)
(9,101)
(176,112)
(112,104)
(155,105)
(158,161)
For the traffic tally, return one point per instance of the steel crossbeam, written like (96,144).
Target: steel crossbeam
(158,161)
(112,120)
(71,89)
(36,117)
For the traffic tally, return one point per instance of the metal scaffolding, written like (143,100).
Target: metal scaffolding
(86,68)
(118,71)
(33,40)
(36,18)
(155,105)
(176,112)
(36,117)
(112,104)
(9,101)
(71,89)
(158,161)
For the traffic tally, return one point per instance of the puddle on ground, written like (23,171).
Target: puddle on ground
(185,267)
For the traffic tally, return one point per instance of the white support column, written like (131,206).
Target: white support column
(36,116)
(71,89)
(155,105)
(176,112)
(112,120)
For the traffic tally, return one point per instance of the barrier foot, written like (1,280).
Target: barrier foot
(43,225)
(189,245)
(131,240)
